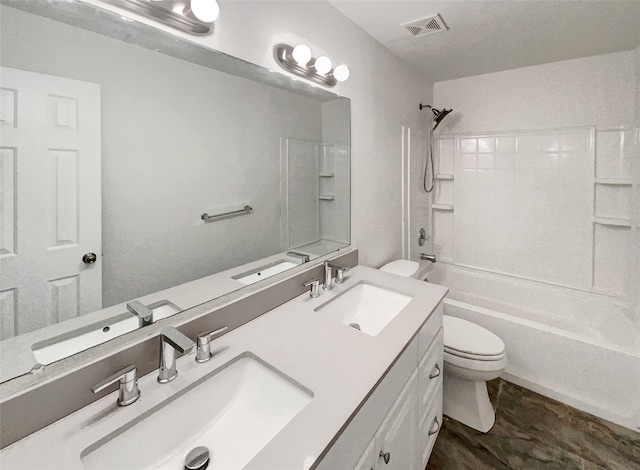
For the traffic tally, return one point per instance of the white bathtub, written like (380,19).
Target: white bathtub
(579,348)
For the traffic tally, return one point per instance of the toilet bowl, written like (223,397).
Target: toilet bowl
(472,356)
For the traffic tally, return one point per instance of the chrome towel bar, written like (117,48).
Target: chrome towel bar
(245,210)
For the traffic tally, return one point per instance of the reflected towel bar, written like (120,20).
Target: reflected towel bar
(245,210)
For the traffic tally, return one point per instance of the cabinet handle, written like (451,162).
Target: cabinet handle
(386,456)
(432,431)
(435,373)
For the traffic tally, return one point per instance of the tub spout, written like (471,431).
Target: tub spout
(431,258)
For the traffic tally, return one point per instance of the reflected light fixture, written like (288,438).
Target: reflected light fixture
(299,61)
(191,16)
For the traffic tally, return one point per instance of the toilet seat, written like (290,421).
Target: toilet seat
(477,366)
(467,340)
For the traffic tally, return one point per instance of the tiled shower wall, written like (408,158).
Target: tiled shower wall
(554,206)
(583,223)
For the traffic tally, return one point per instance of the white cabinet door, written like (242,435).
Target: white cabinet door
(50,199)
(368,459)
(397,438)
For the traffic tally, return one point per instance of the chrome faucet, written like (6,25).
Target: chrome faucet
(128,392)
(303,258)
(203,349)
(340,270)
(431,258)
(144,313)
(171,340)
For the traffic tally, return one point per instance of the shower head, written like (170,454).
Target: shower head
(438,115)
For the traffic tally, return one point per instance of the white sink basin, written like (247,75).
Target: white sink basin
(264,272)
(73,342)
(234,412)
(365,307)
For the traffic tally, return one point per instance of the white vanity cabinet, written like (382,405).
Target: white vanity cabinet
(397,438)
(402,417)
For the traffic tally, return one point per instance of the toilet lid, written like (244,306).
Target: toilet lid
(401,267)
(470,339)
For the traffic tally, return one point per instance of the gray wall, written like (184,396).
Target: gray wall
(178,140)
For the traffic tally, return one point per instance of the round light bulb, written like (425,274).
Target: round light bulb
(301,54)
(205,10)
(341,73)
(323,64)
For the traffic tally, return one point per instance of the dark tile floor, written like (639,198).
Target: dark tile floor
(535,432)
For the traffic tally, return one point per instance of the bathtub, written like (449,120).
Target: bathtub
(580,348)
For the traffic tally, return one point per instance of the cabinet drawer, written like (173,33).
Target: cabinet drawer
(430,373)
(430,427)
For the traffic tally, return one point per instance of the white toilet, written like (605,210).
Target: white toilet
(472,356)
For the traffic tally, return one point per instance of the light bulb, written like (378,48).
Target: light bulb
(205,10)
(341,73)
(301,54)
(323,64)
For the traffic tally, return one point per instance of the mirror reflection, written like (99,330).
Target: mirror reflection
(137,184)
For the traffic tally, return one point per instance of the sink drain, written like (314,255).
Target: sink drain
(354,325)
(197,459)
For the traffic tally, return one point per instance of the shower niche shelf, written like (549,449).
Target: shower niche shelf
(442,207)
(612,221)
(615,181)
(444,177)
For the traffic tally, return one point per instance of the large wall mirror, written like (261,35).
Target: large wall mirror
(143,175)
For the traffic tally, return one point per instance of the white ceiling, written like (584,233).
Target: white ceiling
(489,36)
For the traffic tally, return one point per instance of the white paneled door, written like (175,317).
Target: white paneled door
(50,200)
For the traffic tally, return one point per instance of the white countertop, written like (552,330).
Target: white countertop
(340,365)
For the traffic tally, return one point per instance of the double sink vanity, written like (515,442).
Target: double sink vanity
(350,378)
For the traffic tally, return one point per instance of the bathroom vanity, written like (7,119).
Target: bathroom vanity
(298,387)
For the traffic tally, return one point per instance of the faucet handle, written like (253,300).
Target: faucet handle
(203,350)
(128,391)
(340,270)
(315,288)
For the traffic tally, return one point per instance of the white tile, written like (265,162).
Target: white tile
(486,177)
(468,145)
(486,161)
(466,177)
(549,143)
(505,161)
(575,141)
(469,161)
(526,161)
(487,145)
(526,179)
(506,144)
(549,161)
(527,144)
(505,177)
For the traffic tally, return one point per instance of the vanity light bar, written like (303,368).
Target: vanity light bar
(299,61)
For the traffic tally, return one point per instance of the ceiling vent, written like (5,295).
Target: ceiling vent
(429,25)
